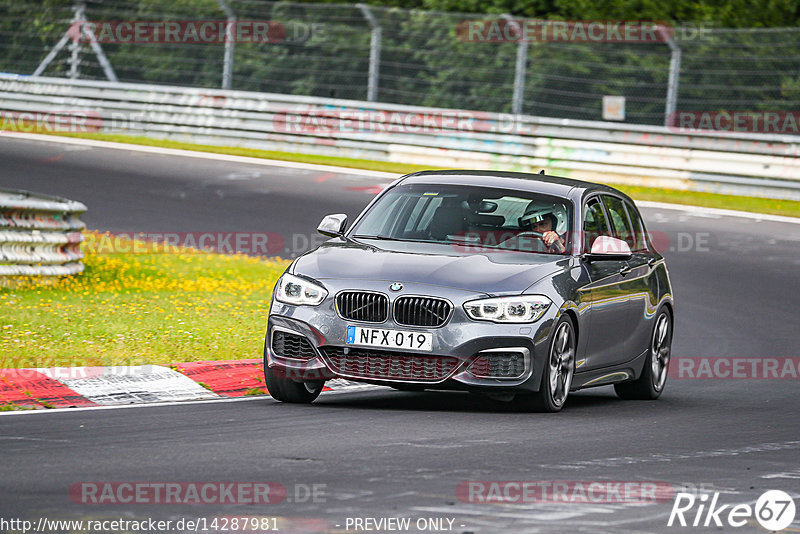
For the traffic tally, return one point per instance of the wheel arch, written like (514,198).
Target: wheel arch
(569,312)
(667,305)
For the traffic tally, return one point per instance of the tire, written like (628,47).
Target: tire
(558,371)
(287,390)
(653,379)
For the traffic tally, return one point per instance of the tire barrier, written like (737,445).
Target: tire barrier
(39,234)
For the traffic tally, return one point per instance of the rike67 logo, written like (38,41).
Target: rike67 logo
(774,510)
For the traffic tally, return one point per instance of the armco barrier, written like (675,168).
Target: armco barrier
(726,162)
(39,235)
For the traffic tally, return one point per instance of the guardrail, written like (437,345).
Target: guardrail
(39,234)
(725,162)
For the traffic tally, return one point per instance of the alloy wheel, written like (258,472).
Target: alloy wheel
(660,347)
(562,358)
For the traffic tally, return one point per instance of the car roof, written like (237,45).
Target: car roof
(523,181)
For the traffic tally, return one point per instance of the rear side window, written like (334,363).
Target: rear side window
(637,225)
(594,223)
(619,220)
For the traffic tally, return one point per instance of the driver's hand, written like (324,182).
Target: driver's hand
(551,239)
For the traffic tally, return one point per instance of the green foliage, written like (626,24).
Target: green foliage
(425,60)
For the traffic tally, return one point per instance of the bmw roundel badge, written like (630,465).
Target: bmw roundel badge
(396,286)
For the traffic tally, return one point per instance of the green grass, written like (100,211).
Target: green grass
(772,206)
(133,309)
(712,200)
(11,407)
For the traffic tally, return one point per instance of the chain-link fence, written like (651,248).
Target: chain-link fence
(403,56)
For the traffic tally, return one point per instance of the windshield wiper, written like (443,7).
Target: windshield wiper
(386,238)
(381,237)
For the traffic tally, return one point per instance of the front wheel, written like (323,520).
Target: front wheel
(650,384)
(558,371)
(287,390)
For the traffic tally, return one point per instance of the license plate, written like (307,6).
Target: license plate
(392,339)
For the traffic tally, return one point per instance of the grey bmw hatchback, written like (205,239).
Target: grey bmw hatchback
(523,287)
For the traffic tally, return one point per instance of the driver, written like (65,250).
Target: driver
(539,217)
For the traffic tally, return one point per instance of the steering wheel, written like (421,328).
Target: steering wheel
(539,235)
(528,233)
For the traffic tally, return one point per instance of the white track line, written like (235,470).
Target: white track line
(196,154)
(717,211)
(345,170)
(348,389)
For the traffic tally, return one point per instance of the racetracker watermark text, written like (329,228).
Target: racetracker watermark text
(735,368)
(563,491)
(49,121)
(50,525)
(251,243)
(193,32)
(591,31)
(168,493)
(736,121)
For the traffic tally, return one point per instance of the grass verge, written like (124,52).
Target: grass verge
(11,407)
(352,163)
(788,208)
(139,308)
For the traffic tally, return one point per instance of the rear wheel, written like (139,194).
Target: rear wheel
(650,384)
(558,371)
(287,390)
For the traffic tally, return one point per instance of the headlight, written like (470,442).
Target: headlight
(519,309)
(297,291)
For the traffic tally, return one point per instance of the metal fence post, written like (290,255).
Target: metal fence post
(101,56)
(83,31)
(519,68)
(75,45)
(230,27)
(674,77)
(374,52)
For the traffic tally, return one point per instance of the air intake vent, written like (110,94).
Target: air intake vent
(385,365)
(362,306)
(498,365)
(421,311)
(289,345)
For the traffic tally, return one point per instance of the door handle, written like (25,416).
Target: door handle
(625,270)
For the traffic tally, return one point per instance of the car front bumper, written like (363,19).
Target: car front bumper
(461,341)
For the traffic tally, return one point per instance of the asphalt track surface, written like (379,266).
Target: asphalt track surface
(381,453)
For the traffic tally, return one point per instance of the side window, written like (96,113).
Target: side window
(619,219)
(594,223)
(639,237)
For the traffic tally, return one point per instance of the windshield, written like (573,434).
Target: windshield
(479,217)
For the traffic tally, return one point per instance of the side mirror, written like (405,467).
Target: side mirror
(609,248)
(333,225)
